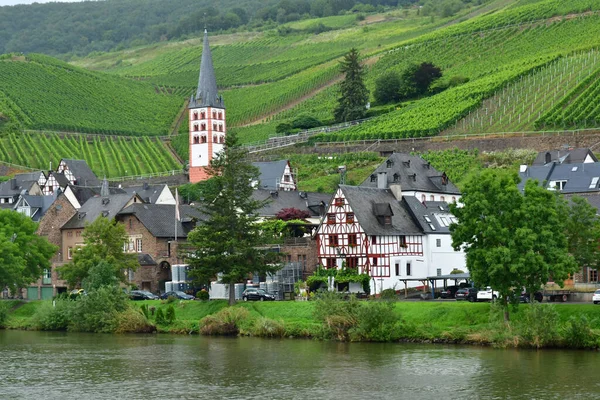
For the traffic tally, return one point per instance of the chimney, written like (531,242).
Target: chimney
(382,180)
(396,191)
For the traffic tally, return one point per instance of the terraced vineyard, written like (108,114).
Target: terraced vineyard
(40,92)
(107,156)
(521,106)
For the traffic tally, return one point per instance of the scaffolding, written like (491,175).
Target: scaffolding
(283,281)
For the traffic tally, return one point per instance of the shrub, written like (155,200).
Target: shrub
(98,310)
(3,315)
(225,322)
(376,322)
(160,317)
(305,121)
(54,317)
(388,294)
(283,127)
(170,315)
(578,332)
(133,321)
(266,327)
(145,310)
(203,294)
(539,326)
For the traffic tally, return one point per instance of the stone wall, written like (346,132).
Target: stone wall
(303,250)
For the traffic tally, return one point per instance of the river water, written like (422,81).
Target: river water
(41,365)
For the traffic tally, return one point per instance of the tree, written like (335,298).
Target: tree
(583,232)
(104,240)
(387,88)
(511,240)
(425,74)
(229,241)
(23,254)
(354,94)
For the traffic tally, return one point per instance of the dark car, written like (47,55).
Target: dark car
(142,295)
(469,294)
(178,295)
(525,298)
(449,292)
(257,294)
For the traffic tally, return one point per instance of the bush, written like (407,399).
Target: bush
(54,317)
(145,310)
(266,327)
(133,321)
(388,294)
(203,294)
(98,310)
(225,322)
(376,322)
(305,121)
(539,326)
(3,315)
(578,332)
(283,127)
(160,317)
(170,315)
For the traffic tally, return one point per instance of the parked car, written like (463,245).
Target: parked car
(469,294)
(487,294)
(257,294)
(449,292)
(596,297)
(525,298)
(178,295)
(142,295)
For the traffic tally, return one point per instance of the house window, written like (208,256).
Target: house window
(77,233)
(215,140)
(349,218)
(331,219)
(453,199)
(222,139)
(220,128)
(423,198)
(439,272)
(69,253)
(389,163)
(331,262)
(215,127)
(333,241)
(339,202)
(69,234)
(138,245)
(387,220)
(438,242)
(286,178)
(396,177)
(397,269)
(402,241)
(432,198)
(442,198)
(131,245)
(375,261)
(408,271)
(351,262)
(130,223)
(196,139)
(352,239)
(593,275)
(203,139)
(373,239)
(373,178)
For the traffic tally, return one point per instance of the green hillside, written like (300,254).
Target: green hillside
(40,92)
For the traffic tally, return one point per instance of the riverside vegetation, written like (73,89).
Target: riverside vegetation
(326,317)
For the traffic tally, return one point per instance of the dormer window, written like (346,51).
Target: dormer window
(373,178)
(396,178)
(406,163)
(389,164)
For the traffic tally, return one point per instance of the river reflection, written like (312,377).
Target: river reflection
(88,366)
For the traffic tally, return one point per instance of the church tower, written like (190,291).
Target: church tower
(207,119)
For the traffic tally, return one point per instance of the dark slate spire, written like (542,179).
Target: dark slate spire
(207,94)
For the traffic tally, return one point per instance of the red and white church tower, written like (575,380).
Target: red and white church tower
(207,119)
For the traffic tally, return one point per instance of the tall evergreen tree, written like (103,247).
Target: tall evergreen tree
(229,241)
(354,94)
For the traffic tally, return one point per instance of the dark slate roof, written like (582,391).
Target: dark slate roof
(579,176)
(271,172)
(145,259)
(18,184)
(159,219)
(62,180)
(96,207)
(82,172)
(207,94)
(413,174)
(39,204)
(568,156)
(28,178)
(429,214)
(83,194)
(278,200)
(148,193)
(361,200)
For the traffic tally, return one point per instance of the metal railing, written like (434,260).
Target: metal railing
(144,176)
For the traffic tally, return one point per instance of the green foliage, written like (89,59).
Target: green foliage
(578,332)
(160,317)
(229,241)
(23,254)
(583,232)
(388,294)
(202,295)
(225,322)
(512,240)
(99,310)
(354,95)
(305,121)
(387,88)
(170,316)
(376,322)
(132,320)
(539,326)
(3,314)
(101,274)
(54,316)
(104,240)
(266,327)
(145,310)
(283,127)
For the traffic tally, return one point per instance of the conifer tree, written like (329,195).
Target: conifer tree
(354,94)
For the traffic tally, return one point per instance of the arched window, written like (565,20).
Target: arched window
(215,127)
(196,139)
(215,139)
(220,115)
(432,198)
(203,139)
(222,139)
(214,113)
(442,198)
(195,115)
(423,198)
(203,127)
(195,128)
(453,199)
(220,127)
(202,115)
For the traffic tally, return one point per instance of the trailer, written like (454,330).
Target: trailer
(558,295)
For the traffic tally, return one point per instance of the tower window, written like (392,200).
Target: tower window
(203,126)
(220,128)
(203,139)
(195,115)
(222,139)
(220,115)
(214,115)
(196,140)
(203,115)
(214,127)
(195,128)
(215,139)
